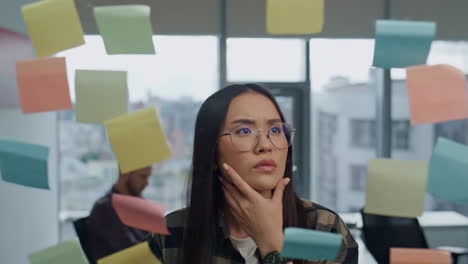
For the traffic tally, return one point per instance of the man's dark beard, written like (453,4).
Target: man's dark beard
(132,191)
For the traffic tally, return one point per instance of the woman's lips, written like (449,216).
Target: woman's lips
(265,165)
(265,168)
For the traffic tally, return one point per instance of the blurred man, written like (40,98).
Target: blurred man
(106,233)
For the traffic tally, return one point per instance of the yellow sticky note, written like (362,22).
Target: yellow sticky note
(137,139)
(396,188)
(140,253)
(53,26)
(294,16)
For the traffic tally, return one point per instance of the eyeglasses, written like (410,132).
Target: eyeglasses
(245,137)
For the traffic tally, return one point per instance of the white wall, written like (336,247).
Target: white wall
(28,216)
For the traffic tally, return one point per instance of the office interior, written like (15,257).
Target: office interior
(346,112)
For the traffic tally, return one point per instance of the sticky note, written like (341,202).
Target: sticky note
(24,163)
(294,16)
(300,243)
(140,213)
(125,29)
(100,95)
(137,139)
(43,85)
(396,187)
(436,93)
(53,26)
(399,44)
(448,171)
(67,252)
(140,253)
(419,255)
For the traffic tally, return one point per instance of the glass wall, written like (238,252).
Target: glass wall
(175,81)
(344,125)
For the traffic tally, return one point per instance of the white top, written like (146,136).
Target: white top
(246,247)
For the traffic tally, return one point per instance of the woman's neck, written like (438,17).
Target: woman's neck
(233,226)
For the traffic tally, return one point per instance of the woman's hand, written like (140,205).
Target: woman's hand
(261,218)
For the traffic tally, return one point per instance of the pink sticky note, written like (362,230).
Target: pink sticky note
(43,85)
(436,94)
(419,255)
(140,213)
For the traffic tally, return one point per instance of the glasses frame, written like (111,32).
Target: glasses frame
(291,131)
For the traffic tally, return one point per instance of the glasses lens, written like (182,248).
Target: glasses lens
(281,135)
(244,137)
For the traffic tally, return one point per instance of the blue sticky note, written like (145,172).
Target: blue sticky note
(399,44)
(24,163)
(300,243)
(448,171)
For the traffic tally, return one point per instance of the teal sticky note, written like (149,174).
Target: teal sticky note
(125,29)
(24,163)
(448,171)
(300,243)
(67,252)
(399,44)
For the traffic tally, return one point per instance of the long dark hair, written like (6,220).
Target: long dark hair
(205,197)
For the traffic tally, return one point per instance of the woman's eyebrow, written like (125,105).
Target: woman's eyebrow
(243,121)
(252,122)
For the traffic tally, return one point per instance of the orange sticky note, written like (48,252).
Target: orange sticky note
(140,213)
(436,94)
(43,85)
(419,255)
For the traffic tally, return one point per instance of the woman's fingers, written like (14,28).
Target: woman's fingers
(239,183)
(231,200)
(231,188)
(279,190)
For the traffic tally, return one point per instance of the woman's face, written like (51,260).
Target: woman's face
(263,166)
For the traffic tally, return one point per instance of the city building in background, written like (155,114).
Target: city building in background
(345,139)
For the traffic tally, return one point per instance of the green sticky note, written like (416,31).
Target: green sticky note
(448,171)
(300,243)
(126,29)
(399,44)
(396,187)
(24,163)
(67,252)
(100,95)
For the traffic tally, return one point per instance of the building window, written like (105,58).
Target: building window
(358,177)
(363,134)
(401,134)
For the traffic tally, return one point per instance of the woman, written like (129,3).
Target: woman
(241,197)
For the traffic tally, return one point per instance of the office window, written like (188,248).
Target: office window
(358,177)
(265,60)
(327,166)
(422,138)
(175,81)
(343,107)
